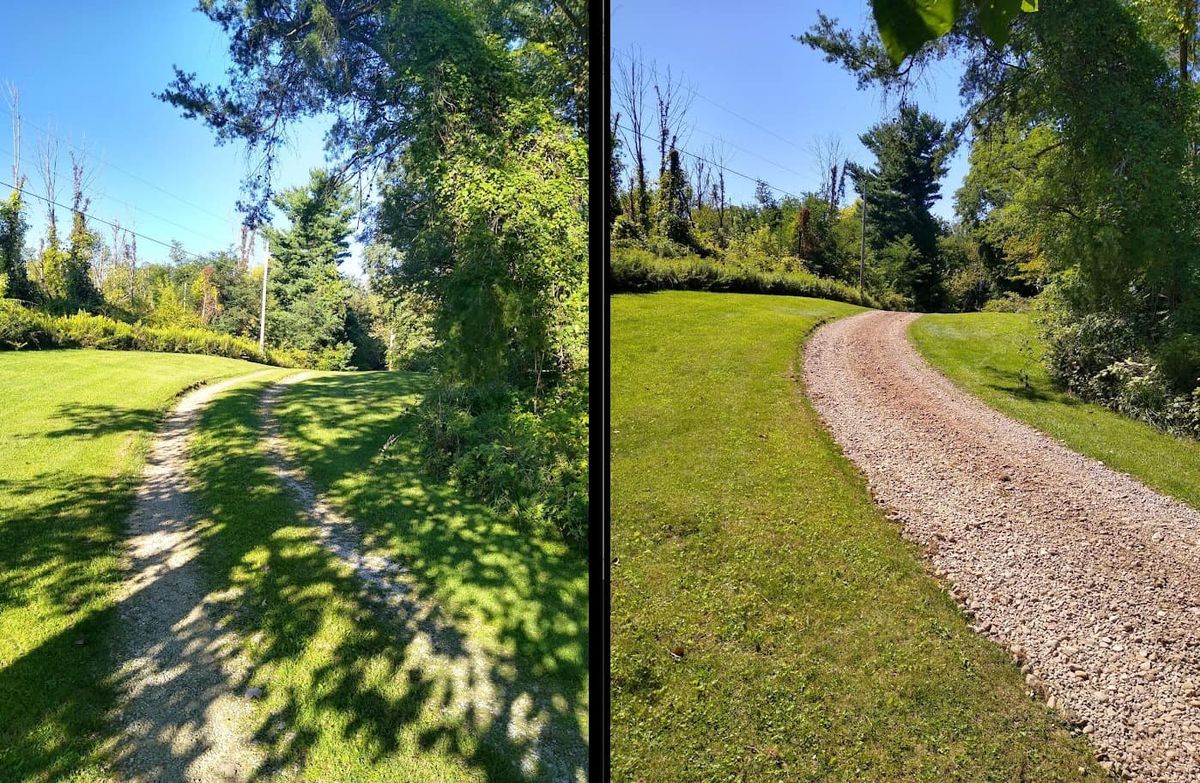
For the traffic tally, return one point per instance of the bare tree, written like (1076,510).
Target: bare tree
(718,156)
(830,160)
(14,108)
(631,87)
(701,179)
(673,98)
(48,163)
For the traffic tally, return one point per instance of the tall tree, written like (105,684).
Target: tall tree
(307,297)
(903,184)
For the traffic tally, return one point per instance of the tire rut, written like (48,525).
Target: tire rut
(180,714)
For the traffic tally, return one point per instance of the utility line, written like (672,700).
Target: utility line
(142,210)
(126,172)
(714,163)
(99,219)
(654,70)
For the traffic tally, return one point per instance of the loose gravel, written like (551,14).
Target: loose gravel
(1090,578)
(182,715)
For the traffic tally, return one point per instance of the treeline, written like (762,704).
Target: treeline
(673,203)
(469,121)
(316,316)
(1082,188)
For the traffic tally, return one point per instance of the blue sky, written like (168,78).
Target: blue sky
(741,56)
(87,72)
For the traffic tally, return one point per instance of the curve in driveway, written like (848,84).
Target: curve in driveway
(1090,577)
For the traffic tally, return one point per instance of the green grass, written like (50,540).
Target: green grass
(987,353)
(768,623)
(354,693)
(73,438)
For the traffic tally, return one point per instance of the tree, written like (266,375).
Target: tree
(673,214)
(307,299)
(901,187)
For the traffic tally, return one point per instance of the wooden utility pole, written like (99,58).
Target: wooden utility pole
(862,250)
(262,311)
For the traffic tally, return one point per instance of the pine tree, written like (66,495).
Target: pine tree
(307,307)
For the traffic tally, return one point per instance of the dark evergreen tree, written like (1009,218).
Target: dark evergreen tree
(674,201)
(307,298)
(910,161)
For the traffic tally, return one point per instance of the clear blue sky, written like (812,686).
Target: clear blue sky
(87,72)
(742,57)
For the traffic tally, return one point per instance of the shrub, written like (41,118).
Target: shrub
(530,463)
(1077,350)
(1009,302)
(1179,360)
(640,271)
(22,328)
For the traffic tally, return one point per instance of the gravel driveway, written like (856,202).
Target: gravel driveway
(1089,577)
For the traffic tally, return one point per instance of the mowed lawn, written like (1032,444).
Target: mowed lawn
(354,692)
(986,354)
(768,623)
(74,428)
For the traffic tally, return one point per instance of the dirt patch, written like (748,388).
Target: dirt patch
(1089,577)
(182,713)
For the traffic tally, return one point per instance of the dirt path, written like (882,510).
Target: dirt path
(1090,576)
(183,711)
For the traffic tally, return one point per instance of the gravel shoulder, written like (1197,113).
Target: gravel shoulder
(1088,576)
(182,715)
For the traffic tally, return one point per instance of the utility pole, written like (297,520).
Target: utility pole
(262,311)
(862,250)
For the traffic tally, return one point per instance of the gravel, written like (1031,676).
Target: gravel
(179,673)
(1090,579)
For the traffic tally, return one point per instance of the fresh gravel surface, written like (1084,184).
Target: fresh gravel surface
(183,709)
(1090,578)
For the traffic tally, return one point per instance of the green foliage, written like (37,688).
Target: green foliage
(23,328)
(634,270)
(907,25)
(1179,361)
(910,160)
(12,245)
(307,297)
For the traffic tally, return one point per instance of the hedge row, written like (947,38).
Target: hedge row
(635,270)
(23,329)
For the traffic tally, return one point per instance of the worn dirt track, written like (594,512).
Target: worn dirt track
(1087,574)
(182,713)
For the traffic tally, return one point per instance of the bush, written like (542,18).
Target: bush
(1009,302)
(22,328)
(532,464)
(640,271)
(1179,360)
(1078,350)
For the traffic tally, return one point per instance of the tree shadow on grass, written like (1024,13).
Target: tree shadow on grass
(410,682)
(56,570)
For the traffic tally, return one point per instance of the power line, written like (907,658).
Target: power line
(714,163)
(100,220)
(126,172)
(143,210)
(743,118)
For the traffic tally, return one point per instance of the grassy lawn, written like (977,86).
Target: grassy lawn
(73,438)
(985,354)
(767,621)
(358,694)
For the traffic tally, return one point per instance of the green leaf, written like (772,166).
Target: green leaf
(904,25)
(1029,6)
(995,17)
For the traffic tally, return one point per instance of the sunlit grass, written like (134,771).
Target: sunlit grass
(768,623)
(357,691)
(998,357)
(74,429)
